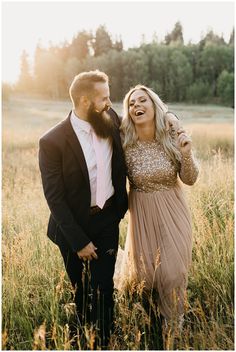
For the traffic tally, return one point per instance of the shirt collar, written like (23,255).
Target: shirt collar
(79,123)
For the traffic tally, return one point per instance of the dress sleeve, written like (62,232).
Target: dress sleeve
(189,169)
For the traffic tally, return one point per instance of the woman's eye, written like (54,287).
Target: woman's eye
(143,100)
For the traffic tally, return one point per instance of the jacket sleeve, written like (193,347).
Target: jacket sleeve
(50,164)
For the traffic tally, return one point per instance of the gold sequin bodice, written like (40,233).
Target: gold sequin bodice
(149,167)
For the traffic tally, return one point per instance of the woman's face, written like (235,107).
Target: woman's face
(141,109)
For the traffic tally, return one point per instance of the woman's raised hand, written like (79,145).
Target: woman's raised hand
(184,142)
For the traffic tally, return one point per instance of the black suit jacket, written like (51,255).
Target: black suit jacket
(66,182)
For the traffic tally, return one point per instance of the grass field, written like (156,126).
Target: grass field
(36,301)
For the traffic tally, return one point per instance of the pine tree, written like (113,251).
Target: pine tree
(25,80)
(231,39)
(176,35)
(102,41)
(118,45)
(80,46)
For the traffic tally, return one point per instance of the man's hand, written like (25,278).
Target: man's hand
(88,252)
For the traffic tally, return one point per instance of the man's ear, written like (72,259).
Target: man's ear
(85,101)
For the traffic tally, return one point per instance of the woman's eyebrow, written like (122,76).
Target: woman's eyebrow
(143,96)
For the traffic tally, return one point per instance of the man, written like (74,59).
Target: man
(84,180)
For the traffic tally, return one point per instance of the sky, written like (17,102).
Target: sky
(25,24)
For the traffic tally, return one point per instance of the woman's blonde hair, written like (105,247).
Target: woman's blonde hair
(163,136)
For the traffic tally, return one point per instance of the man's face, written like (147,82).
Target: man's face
(97,114)
(101,97)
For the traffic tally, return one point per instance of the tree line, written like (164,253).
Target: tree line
(196,73)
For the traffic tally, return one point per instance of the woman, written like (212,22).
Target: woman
(159,241)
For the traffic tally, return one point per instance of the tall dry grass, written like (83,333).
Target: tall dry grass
(36,297)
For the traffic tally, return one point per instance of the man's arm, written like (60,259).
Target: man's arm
(54,190)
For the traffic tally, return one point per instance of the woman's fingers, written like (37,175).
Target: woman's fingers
(183,139)
(180,131)
(171,122)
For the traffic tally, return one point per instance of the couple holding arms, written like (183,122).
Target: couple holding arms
(84,161)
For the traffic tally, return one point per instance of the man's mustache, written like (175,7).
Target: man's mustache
(104,109)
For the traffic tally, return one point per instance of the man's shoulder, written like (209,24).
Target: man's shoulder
(56,132)
(115,117)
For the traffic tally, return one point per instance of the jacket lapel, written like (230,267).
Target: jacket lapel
(117,148)
(76,147)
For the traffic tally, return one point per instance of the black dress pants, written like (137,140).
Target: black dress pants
(93,280)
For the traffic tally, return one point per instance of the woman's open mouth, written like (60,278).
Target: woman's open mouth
(139,112)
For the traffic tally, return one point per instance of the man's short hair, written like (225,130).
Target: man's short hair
(83,84)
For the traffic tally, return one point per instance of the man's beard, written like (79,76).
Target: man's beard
(101,122)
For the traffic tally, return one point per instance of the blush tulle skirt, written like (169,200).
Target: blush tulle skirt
(158,247)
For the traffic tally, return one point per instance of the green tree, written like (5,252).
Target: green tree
(159,68)
(102,41)
(199,92)
(25,81)
(64,51)
(111,63)
(115,71)
(39,76)
(180,75)
(155,38)
(80,46)
(118,45)
(176,35)
(49,73)
(226,87)
(71,69)
(135,68)
(211,39)
(231,39)
(213,60)
(192,52)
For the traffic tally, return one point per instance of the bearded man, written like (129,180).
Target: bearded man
(84,180)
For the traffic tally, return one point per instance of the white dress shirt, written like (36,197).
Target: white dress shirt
(83,131)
